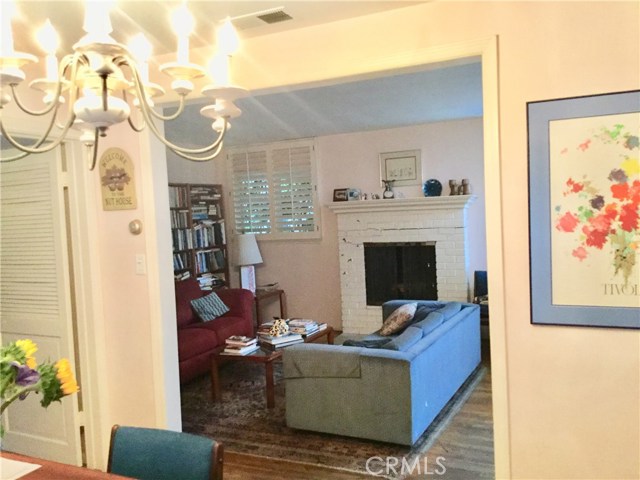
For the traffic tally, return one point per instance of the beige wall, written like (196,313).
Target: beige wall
(573,392)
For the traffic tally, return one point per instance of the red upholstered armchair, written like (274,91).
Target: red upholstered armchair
(197,340)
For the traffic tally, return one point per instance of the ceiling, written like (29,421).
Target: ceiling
(430,95)
(152,17)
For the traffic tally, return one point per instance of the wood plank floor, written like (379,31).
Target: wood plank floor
(465,448)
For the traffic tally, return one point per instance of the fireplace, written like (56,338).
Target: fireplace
(438,222)
(400,270)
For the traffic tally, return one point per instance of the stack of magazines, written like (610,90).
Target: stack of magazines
(305,327)
(240,345)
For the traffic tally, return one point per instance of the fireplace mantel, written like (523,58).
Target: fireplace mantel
(404,204)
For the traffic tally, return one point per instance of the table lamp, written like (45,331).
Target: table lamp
(248,256)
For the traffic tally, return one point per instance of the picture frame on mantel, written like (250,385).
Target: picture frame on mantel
(584,196)
(403,167)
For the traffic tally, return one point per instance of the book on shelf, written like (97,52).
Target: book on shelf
(240,341)
(234,350)
(182,275)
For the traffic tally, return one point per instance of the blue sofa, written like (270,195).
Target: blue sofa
(391,393)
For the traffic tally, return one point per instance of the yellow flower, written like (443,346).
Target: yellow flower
(29,348)
(631,166)
(65,375)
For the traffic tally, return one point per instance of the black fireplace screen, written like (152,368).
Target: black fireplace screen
(400,271)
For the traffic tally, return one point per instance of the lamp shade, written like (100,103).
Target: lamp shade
(248,252)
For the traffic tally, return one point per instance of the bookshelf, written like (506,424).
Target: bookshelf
(198,233)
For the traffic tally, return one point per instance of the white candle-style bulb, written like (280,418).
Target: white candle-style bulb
(48,38)
(49,42)
(97,20)
(6,32)
(219,68)
(227,37)
(141,49)
(182,22)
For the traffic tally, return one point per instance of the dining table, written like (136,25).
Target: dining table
(49,470)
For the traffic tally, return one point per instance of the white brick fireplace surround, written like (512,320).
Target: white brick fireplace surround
(442,220)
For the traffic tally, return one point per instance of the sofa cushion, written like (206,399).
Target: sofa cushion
(210,307)
(185,292)
(195,341)
(450,309)
(399,319)
(430,323)
(402,342)
(226,326)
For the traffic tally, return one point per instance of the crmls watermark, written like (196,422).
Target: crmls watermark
(402,466)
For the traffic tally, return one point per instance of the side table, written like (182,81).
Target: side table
(263,295)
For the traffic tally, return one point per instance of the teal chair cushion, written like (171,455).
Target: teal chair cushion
(152,454)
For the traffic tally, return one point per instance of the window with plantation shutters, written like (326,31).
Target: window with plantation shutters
(274,190)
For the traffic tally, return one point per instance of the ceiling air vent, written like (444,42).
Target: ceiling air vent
(275,17)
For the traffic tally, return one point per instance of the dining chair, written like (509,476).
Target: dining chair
(153,454)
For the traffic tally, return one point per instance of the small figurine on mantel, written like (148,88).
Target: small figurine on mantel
(460,189)
(388,189)
(464,188)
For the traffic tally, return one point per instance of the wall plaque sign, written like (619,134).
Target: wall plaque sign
(118,180)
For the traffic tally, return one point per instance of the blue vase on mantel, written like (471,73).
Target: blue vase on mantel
(432,188)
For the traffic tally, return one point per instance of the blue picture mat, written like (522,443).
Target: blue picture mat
(539,114)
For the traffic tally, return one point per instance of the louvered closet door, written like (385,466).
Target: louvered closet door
(35,298)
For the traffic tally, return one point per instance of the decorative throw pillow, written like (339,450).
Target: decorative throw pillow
(209,307)
(399,319)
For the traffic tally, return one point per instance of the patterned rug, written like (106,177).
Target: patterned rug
(244,424)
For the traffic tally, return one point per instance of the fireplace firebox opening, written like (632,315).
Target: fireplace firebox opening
(400,270)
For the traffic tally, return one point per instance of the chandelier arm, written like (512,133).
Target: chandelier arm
(145,109)
(36,113)
(94,159)
(173,116)
(142,94)
(209,157)
(135,128)
(55,104)
(55,143)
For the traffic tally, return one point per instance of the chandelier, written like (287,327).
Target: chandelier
(103,82)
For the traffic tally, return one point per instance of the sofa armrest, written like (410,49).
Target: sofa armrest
(239,301)
(311,360)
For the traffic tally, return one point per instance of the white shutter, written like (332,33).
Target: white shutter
(293,190)
(274,190)
(250,186)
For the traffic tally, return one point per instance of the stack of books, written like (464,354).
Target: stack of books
(305,327)
(270,342)
(240,345)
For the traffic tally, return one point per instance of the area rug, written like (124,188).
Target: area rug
(243,424)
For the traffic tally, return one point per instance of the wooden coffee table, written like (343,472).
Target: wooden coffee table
(260,356)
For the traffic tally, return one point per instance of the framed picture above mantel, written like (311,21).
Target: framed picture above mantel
(404,168)
(584,217)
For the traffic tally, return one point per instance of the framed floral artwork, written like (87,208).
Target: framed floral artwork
(584,210)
